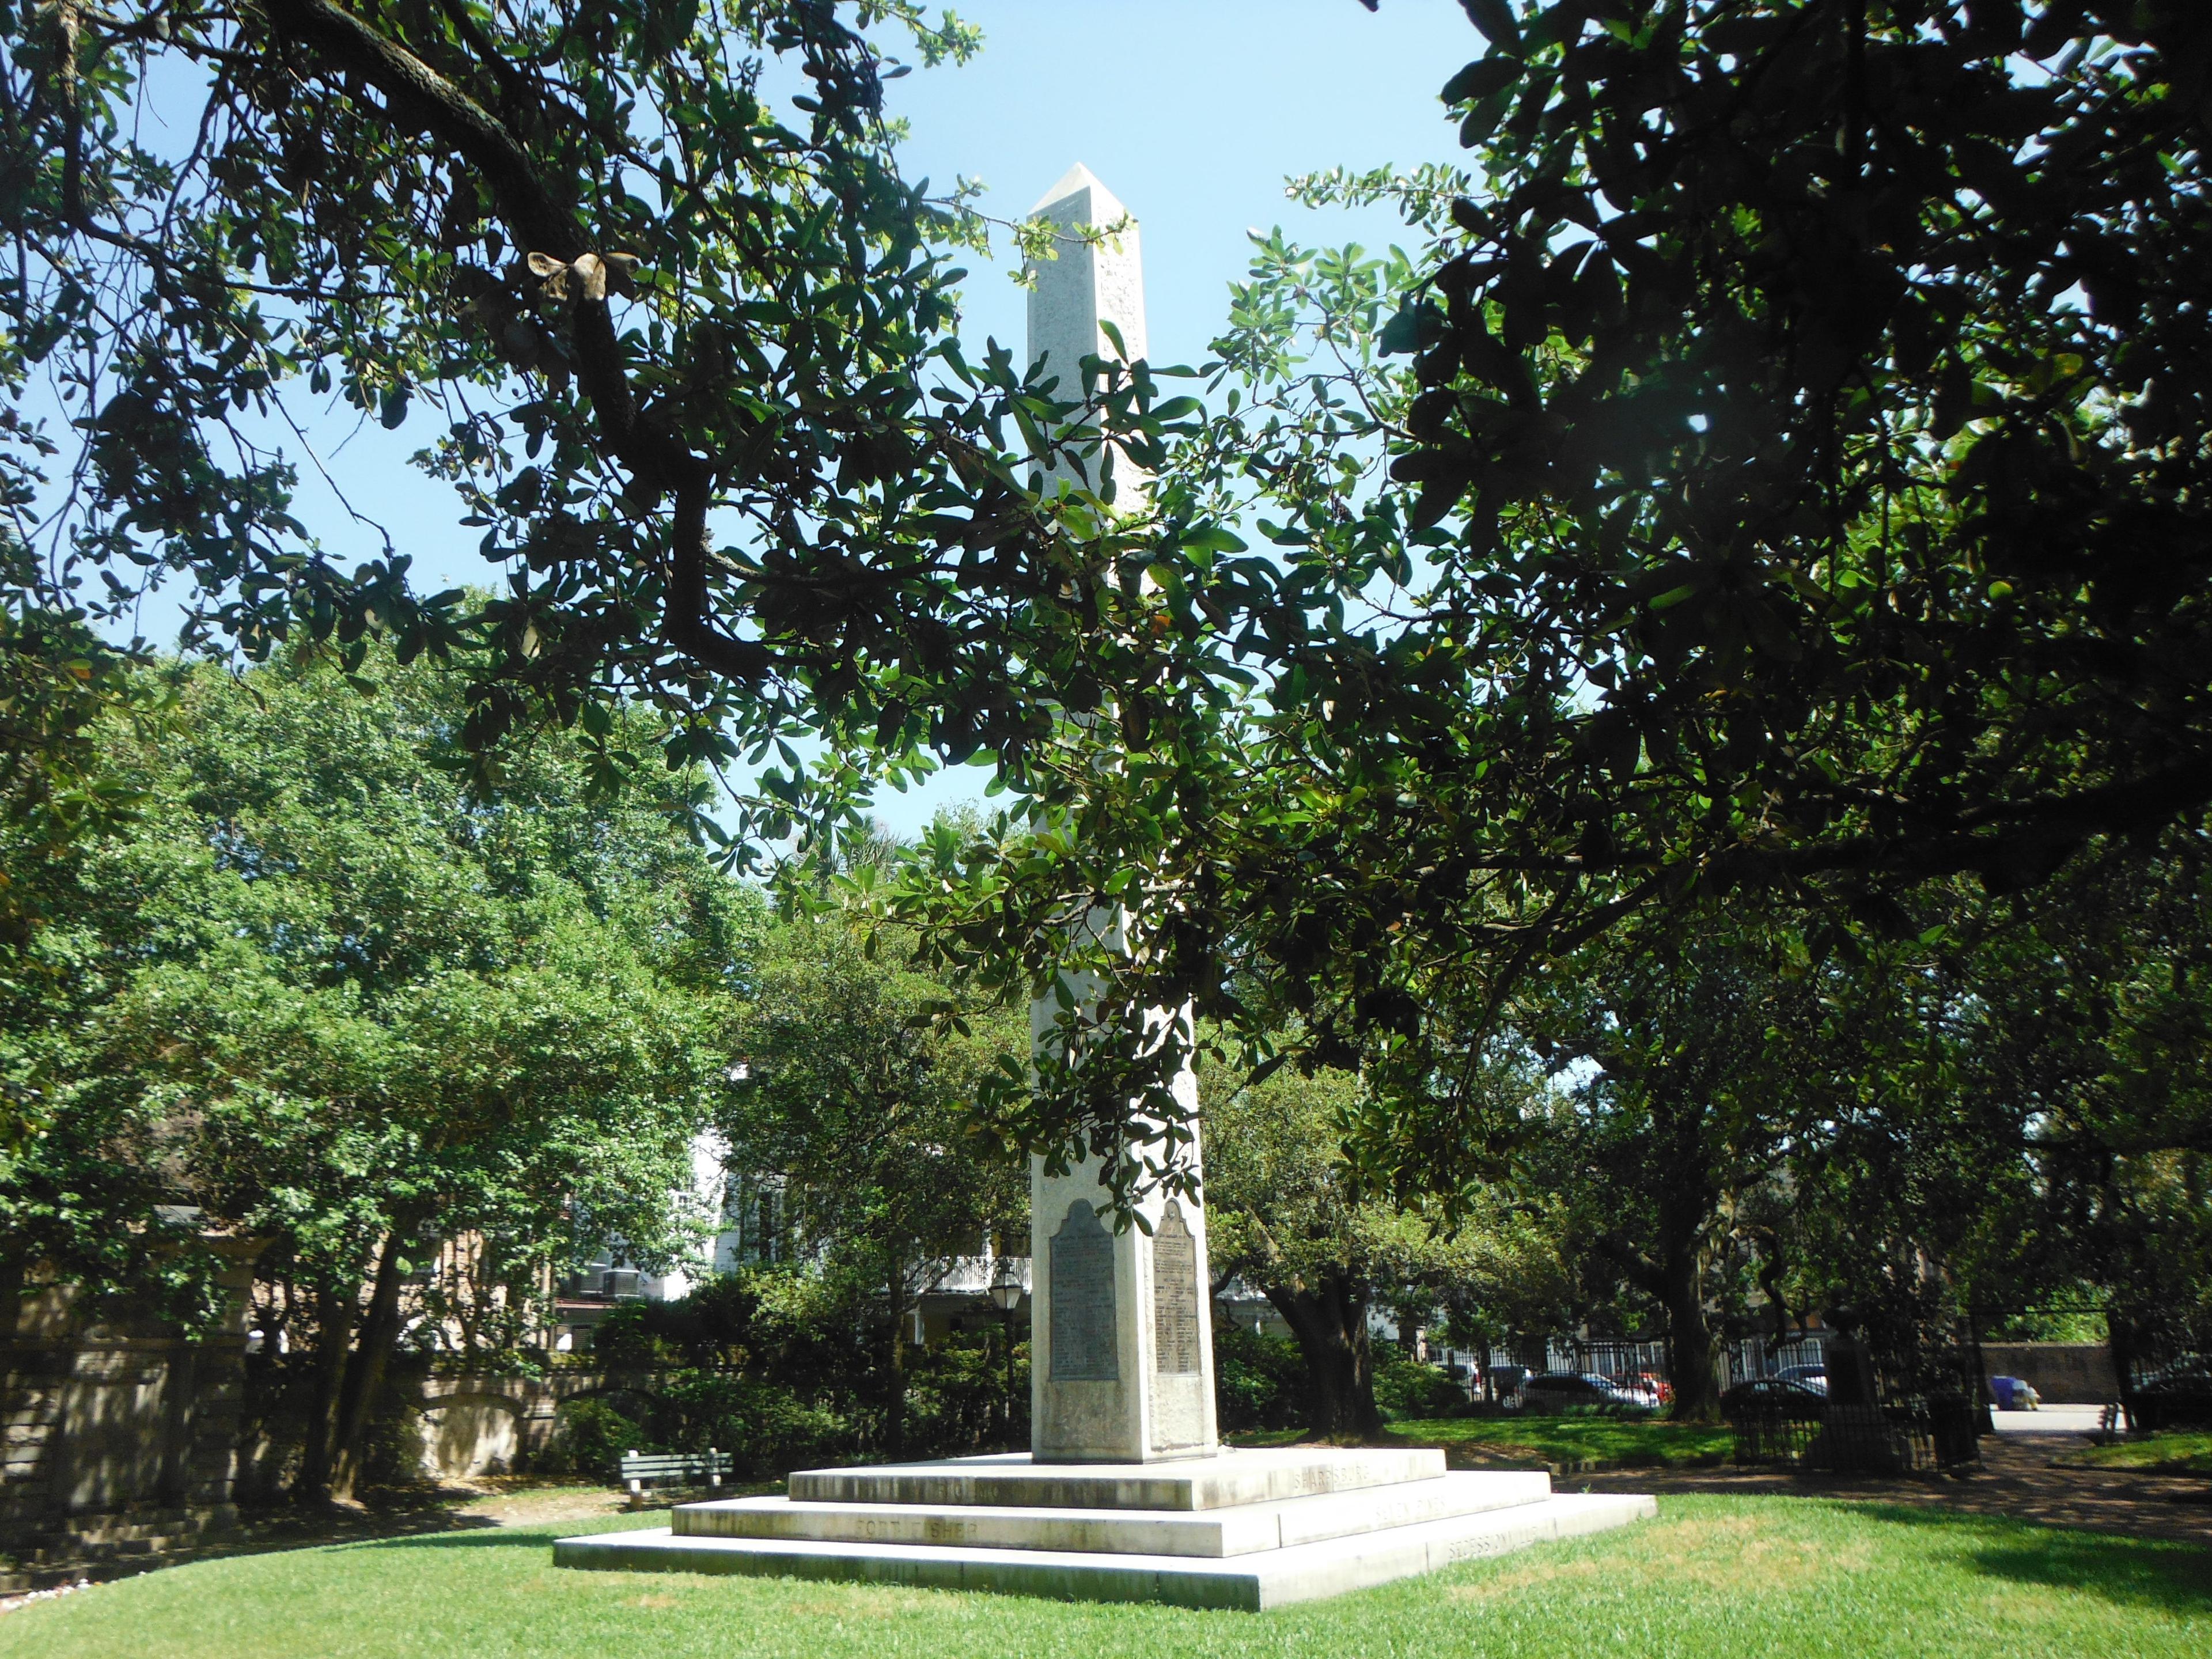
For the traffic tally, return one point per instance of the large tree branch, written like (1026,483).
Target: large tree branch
(540,220)
(2011,845)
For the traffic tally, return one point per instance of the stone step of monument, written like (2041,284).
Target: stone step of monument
(1218,1533)
(1265,1579)
(1012,1480)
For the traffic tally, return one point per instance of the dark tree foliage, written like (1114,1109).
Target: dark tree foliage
(1694,1044)
(688,363)
(59,681)
(1824,382)
(2090,1016)
(1795,492)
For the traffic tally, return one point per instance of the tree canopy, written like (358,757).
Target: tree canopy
(1287,1215)
(323,994)
(1771,478)
(1774,475)
(691,369)
(860,1108)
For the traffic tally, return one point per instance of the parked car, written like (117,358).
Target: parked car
(1774,1397)
(1662,1390)
(1637,1390)
(1563,1391)
(1814,1377)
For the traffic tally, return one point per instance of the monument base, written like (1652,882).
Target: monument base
(1247,1529)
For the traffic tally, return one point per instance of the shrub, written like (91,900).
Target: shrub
(1412,1387)
(1259,1382)
(589,1438)
(767,1428)
(957,1395)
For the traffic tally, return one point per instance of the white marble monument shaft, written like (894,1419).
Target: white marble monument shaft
(1121,1333)
(1088,283)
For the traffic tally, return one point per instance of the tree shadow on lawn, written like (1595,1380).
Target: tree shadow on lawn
(276,1531)
(2169,1576)
(537,1535)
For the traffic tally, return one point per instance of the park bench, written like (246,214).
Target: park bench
(685,1468)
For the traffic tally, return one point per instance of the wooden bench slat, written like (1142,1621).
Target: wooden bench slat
(669,1462)
(638,1467)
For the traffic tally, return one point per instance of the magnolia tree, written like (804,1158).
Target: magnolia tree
(681,342)
(1773,475)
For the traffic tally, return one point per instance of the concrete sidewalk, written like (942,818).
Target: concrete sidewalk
(2048,1420)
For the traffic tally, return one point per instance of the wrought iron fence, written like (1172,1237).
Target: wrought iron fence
(1918,1435)
(1627,1359)
(2167,1385)
(1925,1421)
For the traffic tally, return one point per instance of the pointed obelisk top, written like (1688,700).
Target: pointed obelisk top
(1090,282)
(1103,209)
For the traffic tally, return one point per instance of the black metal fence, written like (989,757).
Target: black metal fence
(1623,1359)
(1915,1436)
(1930,1425)
(2167,1385)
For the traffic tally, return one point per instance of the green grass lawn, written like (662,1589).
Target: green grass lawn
(1711,1577)
(1568,1443)
(2189,1452)
(1618,1442)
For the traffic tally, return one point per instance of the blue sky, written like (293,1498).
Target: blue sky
(1193,112)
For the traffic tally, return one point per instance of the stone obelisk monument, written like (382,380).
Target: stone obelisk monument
(1127,1496)
(1120,1333)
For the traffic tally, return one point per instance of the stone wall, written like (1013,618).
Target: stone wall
(487,1424)
(119,1442)
(121,1445)
(2063,1373)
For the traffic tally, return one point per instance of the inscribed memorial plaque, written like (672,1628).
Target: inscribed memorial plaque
(1174,1295)
(1083,1346)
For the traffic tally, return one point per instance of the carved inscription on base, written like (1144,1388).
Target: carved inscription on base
(1174,1295)
(1084,1348)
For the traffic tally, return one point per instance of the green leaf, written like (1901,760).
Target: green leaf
(1495,19)
(1213,538)
(1401,333)
(1483,78)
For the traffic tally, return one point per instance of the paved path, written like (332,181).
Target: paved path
(2047,1421)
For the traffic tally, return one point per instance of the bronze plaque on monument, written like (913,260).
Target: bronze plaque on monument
(1084,1348)
(1174,1295)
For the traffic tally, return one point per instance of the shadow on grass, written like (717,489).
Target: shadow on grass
(275,1533)
(537,1536)
(2168,1576)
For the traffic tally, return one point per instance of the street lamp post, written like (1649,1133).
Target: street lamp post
(1006,1295)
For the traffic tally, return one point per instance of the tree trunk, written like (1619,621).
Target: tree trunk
(1687,1201)
(1692,1357)
(334,1313)
(1329,1321)
(895,1374)
(364,1375)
